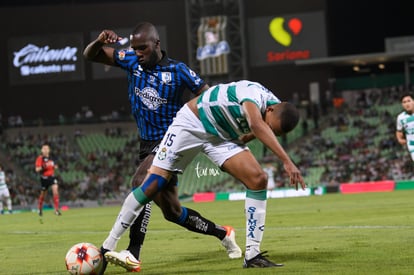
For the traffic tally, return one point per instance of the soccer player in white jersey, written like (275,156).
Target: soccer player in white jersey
(218,123)
(4,192)
(405,123)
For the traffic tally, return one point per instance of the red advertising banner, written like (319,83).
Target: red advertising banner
(204,197)
(362,187)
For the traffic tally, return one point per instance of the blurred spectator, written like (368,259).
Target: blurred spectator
(19,121)
(270,170)
(62,119)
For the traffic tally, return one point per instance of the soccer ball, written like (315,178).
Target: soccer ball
(83,259)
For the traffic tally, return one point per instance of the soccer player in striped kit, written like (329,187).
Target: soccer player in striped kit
(156,84)
(218,123)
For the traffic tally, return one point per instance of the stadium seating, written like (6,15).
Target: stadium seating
(351,144)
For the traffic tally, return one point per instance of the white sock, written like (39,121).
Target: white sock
(129,212)
(255,210)
(9,204)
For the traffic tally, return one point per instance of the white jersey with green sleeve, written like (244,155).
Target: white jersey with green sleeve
(220,107)
(405,124)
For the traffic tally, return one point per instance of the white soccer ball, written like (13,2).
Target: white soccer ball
(83,259)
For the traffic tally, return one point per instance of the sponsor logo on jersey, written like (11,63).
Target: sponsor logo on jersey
(192,73)
(166,77)
(150,97)
(137,72)
(121,55)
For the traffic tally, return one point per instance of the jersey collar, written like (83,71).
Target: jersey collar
(164,59)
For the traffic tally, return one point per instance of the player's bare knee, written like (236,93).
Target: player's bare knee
(258,182)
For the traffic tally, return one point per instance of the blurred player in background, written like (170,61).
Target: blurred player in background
(270,170)
(156,85)
(218,123)
(405,123)
(4,192)
(45,167)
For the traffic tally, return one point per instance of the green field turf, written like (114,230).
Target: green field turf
(370,233)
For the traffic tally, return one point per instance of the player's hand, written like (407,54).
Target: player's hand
(295,176)
(108,37)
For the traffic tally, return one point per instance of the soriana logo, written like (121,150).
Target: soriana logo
(280,34)
(284,39)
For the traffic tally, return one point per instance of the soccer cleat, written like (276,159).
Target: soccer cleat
(260,261)
(40,212)
(124,259)
(57,213)
(229,242)
(104,261)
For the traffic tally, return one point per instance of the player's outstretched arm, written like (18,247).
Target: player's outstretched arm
(263,132)
(97,51)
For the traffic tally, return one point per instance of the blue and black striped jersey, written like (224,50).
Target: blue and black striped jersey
(156,95)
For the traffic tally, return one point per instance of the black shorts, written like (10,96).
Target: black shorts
(147,147)
(46,182)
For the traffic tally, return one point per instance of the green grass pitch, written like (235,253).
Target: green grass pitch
(371,233)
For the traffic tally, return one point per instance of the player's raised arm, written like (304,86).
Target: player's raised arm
(97,50)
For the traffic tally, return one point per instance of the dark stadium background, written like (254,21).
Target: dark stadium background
(353,27)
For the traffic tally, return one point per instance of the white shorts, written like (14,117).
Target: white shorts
(186,137)
(4,193)
(410,147)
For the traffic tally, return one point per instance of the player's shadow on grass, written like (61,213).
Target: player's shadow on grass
(217,262)
(312,256)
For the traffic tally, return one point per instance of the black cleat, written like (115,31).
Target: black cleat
(260,261)
(57,213)
(104,261)
(40,212)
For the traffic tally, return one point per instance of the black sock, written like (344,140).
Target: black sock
(192,220)
(138,230)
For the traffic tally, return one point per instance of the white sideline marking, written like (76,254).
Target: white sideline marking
(344,227)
